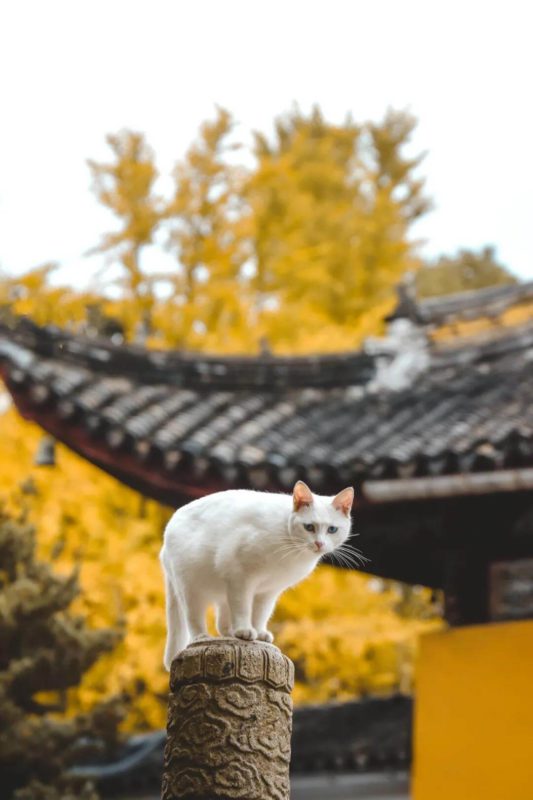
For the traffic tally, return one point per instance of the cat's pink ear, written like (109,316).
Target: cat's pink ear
(301,495)
(344,501)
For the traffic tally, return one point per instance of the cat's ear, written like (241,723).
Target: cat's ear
(301,495)
(344,500)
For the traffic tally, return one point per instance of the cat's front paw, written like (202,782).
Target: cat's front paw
(245,633)
(265,636)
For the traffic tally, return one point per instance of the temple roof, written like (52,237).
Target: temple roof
(176,425)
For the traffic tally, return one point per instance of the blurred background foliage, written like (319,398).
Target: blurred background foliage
(292,244)
(295,242)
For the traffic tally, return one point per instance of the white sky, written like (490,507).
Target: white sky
(72,71)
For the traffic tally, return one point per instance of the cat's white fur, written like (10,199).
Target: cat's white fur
(238,550)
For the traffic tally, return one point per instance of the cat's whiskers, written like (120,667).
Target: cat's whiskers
(288,547)
(353,554)
(292,542)
(284,553)
(285,549)
(350,556)
(347,544)
(362,559)
(340,558)
(345,564)
(357,559)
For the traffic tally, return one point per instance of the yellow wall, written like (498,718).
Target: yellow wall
(474,714)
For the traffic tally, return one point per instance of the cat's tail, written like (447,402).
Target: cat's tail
(177,632)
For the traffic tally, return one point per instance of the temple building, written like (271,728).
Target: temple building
(434,431)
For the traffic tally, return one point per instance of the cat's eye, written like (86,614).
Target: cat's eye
(332,529)
(309,527)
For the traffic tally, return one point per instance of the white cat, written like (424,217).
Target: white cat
(238,550)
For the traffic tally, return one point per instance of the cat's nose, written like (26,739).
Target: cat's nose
(319,546)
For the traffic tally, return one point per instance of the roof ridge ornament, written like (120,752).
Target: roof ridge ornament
(407,302)
(400,356)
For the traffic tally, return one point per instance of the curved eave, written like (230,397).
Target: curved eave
(141,474)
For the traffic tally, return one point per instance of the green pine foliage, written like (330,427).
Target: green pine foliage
(44,650)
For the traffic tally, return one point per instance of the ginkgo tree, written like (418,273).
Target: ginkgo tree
(300,239)
(206,222)
(332,206)
(125,185)
(304,217)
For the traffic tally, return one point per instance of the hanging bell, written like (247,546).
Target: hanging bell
(46,452)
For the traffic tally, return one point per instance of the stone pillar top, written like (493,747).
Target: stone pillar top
(220,660)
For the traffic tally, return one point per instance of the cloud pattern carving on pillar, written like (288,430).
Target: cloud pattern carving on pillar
(229,722)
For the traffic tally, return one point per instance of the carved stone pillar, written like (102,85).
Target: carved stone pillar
(229,722)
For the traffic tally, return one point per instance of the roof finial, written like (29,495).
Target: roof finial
(406,305)
(401,355)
